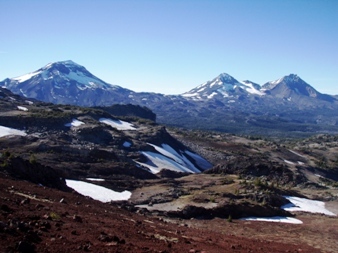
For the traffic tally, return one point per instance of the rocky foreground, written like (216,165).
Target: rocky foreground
(40,219)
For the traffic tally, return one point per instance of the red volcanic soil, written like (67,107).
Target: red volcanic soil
(34,218)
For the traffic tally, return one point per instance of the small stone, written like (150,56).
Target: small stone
(63,201)
(25,201)
(77,218)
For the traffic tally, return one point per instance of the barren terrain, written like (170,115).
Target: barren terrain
(39,219)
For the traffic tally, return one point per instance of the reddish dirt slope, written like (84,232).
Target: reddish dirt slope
(38,219)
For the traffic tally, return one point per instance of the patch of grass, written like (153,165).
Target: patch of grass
(54,216)
(226,181)
(212,199)
(32,159)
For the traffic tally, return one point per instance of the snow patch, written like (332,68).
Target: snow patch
(95,179)
(118,124)
(156,162)
(306,205)
(74,123)
(296,153)
(275,219)
(200,161)
(127,144)
(97,192)
(212,95)
(190,94)
(288,162)
(24,78)
(251,89)
(171,153)
(6,131)
(21,108)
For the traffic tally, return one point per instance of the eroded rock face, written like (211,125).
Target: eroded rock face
(34,172)
(236,211)
(258,167)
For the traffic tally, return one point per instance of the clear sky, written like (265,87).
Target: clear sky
(172,46)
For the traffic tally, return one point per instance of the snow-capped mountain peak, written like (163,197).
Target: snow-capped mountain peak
(66,72)
(289,79)
(226,78)
(292,85)
(223,85)
(64,80)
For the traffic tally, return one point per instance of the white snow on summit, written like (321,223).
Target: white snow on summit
(77,73)
(251,89)
(222,85)
(25,77)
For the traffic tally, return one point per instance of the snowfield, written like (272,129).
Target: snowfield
(297,204)
(6,131)
(157,162)
(97,192)
(118,124)
(169,158)
(306,205)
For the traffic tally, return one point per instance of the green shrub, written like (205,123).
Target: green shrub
(32,159)
(54,216)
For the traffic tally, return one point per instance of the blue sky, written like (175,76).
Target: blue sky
(172,46)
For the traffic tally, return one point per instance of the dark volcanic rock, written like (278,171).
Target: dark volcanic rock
(34,172)
(244,209)
(257,167)
(130,111)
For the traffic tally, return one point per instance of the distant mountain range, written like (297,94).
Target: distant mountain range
(286,106)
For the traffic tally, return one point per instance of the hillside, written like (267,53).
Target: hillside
(175,189)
